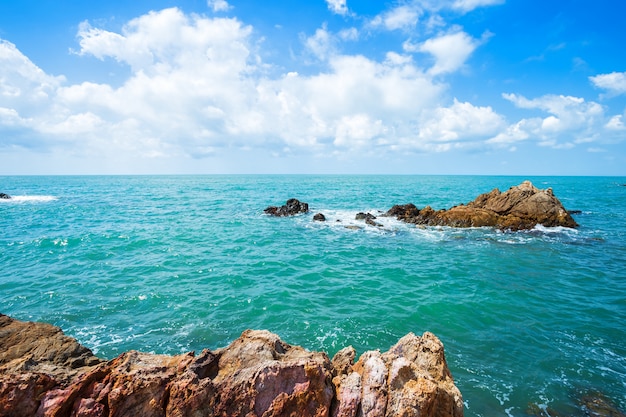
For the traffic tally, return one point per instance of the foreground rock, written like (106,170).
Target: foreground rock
(257,375)
(291,208)
(520,208)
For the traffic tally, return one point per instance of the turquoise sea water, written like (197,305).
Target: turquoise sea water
(171,264)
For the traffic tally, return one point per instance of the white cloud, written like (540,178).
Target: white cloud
(356,131)
(616,123)
(354,101)
(401,17)
(197,87)
(337,6)
(570,121)
(219,5)
(450,51)
(572,111)
(459,122)
(350,34)
(469,5)
(516,132)
(21,81)
(321,44)
(614,83)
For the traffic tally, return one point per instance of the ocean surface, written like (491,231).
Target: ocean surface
(169,264)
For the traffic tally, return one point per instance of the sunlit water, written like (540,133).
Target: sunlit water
(172,264)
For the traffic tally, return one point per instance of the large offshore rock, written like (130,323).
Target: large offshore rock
(520,208)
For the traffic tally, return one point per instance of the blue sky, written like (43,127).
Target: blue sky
(519,87)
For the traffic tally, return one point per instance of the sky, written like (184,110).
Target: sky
(491,87)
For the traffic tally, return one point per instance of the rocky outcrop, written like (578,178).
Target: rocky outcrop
(43,349)
(256,375)
(411,379)
(291,208)
(520,208)
(4,196)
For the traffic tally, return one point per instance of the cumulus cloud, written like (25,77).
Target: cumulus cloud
(614,83)
(406,15)
(321,44)
(462,121)
(197,87)
(450,51)
(337,6)
(616,123)
(402,17)
(569,121)
(219,5)
(22,83)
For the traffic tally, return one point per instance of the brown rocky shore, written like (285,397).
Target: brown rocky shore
(46,373)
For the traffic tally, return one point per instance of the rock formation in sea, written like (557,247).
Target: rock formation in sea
(369,219)
(45,373)
(319,217)
(520,208)
(291,208)
(4,196)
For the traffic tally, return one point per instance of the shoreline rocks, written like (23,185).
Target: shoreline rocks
(521,207)
(258,374)
(4,196)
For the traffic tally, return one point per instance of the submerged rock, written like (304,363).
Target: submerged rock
(256,375)
(591,405)
(369,219)
(519,208)
(4,196)
(291,208)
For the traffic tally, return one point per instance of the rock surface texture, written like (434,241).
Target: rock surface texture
(45,373)
(291,208)
(520,208)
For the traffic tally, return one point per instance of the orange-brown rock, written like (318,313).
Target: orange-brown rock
(257,375)
(520,208)
(411,379)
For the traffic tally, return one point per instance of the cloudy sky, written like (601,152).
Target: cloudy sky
(523,87)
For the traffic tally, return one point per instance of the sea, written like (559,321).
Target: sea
(532,321)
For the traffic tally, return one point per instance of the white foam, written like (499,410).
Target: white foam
(346,219)
(29,199)
(555,230)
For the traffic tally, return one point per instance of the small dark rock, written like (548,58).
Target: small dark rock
(575,211)
(365,216)
(4,196)
(319,217)
(403,212)
(291,208)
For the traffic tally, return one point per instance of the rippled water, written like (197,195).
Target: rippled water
(171,264)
